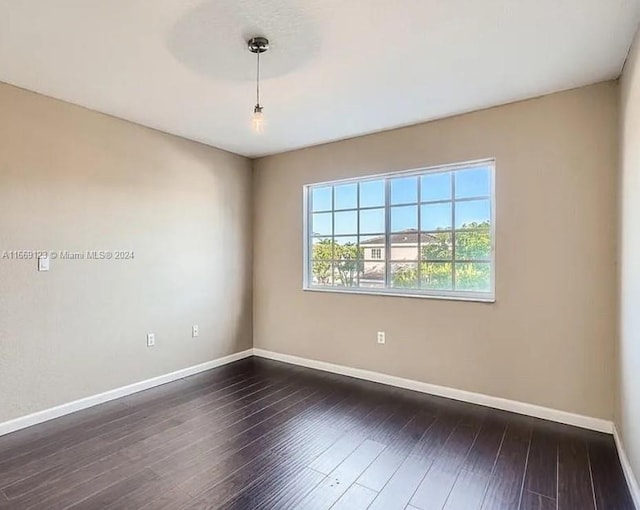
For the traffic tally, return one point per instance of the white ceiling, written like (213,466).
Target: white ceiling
(337,68)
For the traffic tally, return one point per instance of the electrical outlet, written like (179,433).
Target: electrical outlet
(194,331)
(381,337)
(151,339)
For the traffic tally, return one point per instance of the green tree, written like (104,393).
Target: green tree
(473,242)
(344,259)
(348,263)
(322,257)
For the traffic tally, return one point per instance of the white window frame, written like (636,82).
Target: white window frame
(480,296)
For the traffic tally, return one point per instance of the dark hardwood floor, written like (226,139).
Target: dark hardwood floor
(265,435)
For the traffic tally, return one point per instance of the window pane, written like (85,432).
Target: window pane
(321,199)
(346,222)
(404,191)
(404,218)
(435,187)
(372,194)
(473,244)
(372,247)
(406,252)
(473,214)
(437,246)
(404,275)
(345,247)
(436,275)
(346,196)
(473,276)
(321,273)
(372,274)
(372,221)
(322,248)
(347,264)
(321,224)
(435,217)
(404,246)
(472,183)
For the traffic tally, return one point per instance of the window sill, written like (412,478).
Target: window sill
(471,297)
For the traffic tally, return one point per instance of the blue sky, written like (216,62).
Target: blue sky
(404,190)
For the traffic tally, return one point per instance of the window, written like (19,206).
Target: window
(426,232)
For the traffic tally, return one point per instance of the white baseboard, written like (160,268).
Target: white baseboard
(77,405)
(432,389)
(632,482)
(545,413)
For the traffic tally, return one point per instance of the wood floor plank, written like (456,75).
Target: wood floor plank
(292,458)
(541,475)
(504,489)
(611,490)
(168,499)
(433,491)
(58,474)
(468,491)
(229,487)
(533,501)
(246,447)
(199,460)
(331,458)
(357,497)
(397,493)
(244,436)
(117,491)
(211,477)
(469,488)
(280,488)
(382,469)
(575,489)
(338,481)
(484,452)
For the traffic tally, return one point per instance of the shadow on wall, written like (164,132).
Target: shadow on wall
(229,281)
(211,38)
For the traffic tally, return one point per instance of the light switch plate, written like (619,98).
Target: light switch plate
(43,263)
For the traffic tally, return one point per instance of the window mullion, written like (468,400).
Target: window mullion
(419,240)
(453,231)
(333,236)
(358,235)
(387,235)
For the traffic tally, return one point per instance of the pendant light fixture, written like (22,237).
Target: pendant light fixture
(258,45)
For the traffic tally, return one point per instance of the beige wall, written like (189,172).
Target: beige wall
(549,338)
(71,179)
(628,409)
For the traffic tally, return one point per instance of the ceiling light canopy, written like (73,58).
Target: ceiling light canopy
(258,45)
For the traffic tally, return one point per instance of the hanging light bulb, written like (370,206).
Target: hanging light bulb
(258,119)
(258,45)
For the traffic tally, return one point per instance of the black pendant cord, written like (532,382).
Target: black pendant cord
(258,81)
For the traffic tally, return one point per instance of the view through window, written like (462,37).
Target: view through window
(427,232)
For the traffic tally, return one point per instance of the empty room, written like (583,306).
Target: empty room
(320,254)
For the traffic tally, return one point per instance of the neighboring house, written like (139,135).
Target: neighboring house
(404,248)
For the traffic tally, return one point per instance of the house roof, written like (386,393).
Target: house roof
(409,236)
